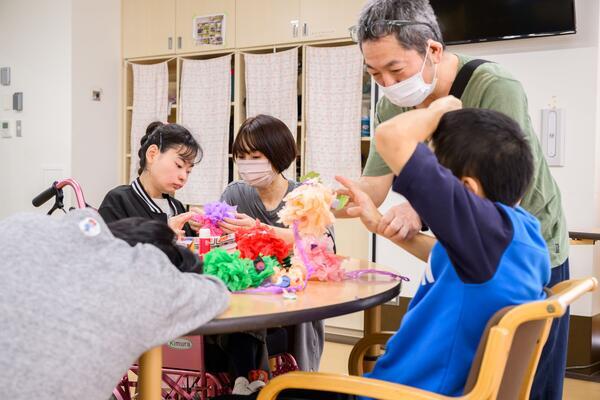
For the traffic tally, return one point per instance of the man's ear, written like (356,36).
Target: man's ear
(473,185)
(436,51)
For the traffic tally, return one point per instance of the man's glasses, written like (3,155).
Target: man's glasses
(384,27)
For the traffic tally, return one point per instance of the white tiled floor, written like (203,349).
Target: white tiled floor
(335,358)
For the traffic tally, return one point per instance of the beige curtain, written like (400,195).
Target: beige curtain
(205,102)
(333,105)
(150,103)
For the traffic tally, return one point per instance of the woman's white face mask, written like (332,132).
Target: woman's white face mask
(256,173)
(412,91)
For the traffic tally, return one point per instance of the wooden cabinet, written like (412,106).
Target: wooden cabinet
(322,20)
(267,22)
(148,27)
(188,10)
(162,27)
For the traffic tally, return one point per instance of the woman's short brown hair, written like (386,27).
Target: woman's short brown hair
(268,135)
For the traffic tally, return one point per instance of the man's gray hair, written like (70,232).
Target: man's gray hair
(371,25)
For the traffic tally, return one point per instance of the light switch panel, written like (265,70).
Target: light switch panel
(5,76)
(553,136)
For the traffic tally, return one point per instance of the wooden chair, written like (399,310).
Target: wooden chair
(503,367)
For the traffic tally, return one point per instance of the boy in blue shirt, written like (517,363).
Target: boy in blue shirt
(487,253)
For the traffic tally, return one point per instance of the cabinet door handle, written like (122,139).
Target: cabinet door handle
(179,42)
(294,28)
(170,43)
(305,29)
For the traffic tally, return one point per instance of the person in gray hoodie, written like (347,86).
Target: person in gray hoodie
(78,305)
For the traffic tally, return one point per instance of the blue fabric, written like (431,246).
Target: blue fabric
(474,271)
(550,374)
(474,231)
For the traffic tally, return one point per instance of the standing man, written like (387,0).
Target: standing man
(404,52)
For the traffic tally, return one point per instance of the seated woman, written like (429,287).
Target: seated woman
(167,154)
(264,147)
(78,305)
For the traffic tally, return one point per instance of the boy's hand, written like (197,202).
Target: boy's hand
(445,104)
(361,204)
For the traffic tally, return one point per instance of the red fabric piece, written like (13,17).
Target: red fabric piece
(261,240)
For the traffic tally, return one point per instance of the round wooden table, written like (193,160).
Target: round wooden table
(320,300)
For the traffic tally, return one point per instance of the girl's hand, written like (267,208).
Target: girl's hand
(177,222)
(193,224)
(231,225)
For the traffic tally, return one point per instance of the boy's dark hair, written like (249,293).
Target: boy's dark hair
(136,230)
(489,146)
(169,136)
(268,135)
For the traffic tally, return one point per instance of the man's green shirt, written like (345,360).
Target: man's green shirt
(492,87)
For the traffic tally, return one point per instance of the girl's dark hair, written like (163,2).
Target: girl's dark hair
(489,146)
(169,136)
(136,230)
(268,135)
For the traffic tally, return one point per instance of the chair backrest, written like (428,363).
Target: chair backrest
(527,342)
(507,357)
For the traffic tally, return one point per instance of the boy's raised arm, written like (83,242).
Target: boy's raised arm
(397,138)
(363,207)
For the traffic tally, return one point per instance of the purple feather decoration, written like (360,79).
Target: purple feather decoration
(218,210)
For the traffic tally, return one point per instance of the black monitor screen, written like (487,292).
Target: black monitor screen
(464,21)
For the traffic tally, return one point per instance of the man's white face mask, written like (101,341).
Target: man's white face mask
(412,91)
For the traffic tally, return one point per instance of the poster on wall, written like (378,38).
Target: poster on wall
(209,29)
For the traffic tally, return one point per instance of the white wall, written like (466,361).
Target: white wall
(35,41)
(96,54)
(58,50)
(566,69)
